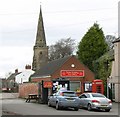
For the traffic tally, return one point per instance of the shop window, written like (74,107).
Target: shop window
(88,86)
(75,86)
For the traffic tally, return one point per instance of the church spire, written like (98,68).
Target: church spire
(40,57)
(40,37)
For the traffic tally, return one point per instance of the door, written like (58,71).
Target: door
(53,99)
(45,95)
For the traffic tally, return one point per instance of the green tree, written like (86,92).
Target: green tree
(92,46)
(103,66)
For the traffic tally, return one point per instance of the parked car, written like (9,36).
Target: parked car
(64,99)
(95,101)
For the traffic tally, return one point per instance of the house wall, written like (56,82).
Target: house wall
(28,88)
(23,76)
(40,79)
(117,71)
(117,94)
(115,74)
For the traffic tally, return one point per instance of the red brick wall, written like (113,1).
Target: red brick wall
(40,79)
(89,76)
(28,88)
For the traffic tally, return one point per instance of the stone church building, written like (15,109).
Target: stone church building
(40,56)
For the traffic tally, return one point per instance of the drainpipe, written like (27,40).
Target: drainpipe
(107,87)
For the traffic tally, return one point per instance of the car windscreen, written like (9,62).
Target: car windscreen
(70,94)
(98,95)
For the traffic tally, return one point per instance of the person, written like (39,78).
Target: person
(63,88)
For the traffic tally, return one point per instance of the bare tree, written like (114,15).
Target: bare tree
(109,39)
(62,48)
(8,74)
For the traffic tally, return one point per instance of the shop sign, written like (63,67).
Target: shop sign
(72,73)
(98,82)
(47,84)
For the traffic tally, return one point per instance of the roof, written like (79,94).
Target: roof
(12,76)
(117,40)
(51,67)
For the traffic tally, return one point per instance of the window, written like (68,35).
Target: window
(70,94)
(113,91)
(83,96)
(97,95)
(88,86)
(88,96)
(75,86)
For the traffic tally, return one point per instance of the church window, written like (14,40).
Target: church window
(40,52)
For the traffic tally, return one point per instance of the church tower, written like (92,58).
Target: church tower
(40,56)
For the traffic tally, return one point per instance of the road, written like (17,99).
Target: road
(19,106)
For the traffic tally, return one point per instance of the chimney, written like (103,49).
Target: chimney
(16,70)
(28,67)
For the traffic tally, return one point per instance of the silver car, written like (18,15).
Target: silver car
(95,101)
(64,99)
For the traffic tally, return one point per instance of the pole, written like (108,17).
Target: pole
(107,89)
(39,92)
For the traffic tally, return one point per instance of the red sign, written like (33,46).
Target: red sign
(47,84)
(72,73)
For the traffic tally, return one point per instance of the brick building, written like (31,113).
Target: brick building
(66,69)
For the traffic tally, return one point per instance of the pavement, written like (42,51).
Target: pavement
(8,95)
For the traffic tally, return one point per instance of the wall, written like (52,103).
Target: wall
(89,76)
(115,74)
(28,88)
(40,79)
(117,69)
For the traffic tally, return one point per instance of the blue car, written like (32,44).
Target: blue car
(64,99)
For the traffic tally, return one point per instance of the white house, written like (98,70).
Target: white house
(24,75)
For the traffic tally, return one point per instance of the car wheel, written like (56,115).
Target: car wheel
(57,106)
(107,110)
(76,109)
(49,103)
(89,107)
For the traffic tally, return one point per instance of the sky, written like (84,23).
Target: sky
(62,19)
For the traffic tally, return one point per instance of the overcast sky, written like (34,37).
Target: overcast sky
(62,19)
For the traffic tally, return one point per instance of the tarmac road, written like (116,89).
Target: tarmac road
(11,106)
